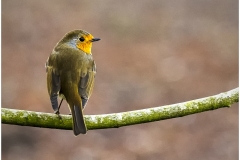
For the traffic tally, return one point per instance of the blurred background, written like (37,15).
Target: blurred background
(151,53)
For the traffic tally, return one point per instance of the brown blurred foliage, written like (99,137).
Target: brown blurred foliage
(152,53)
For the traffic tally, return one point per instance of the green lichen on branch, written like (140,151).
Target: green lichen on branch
(49,120)
(35,119)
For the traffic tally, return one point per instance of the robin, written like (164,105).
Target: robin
(70,75)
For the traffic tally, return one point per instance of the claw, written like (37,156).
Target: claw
(58,114)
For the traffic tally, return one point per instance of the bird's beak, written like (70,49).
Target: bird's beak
(95,39)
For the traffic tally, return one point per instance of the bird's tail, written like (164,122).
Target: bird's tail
(78,120)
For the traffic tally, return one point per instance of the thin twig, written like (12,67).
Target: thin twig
(114,120)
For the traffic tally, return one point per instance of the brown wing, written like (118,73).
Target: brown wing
(86,84)
(53,81)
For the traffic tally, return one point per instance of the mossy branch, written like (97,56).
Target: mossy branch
(114,120)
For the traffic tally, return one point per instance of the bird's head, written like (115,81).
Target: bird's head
(79,39)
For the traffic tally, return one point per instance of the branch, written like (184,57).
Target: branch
(114,120)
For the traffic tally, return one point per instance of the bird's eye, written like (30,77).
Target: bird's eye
(81,39)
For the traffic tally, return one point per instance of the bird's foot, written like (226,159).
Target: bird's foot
(58,114)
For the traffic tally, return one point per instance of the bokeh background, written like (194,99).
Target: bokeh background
(152,53)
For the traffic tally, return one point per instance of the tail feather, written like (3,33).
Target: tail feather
(78,121)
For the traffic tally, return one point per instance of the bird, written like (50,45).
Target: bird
(71,72)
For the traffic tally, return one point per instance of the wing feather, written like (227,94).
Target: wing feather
(86,84)
(53,82)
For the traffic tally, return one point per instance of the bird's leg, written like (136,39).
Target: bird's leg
(57,111)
